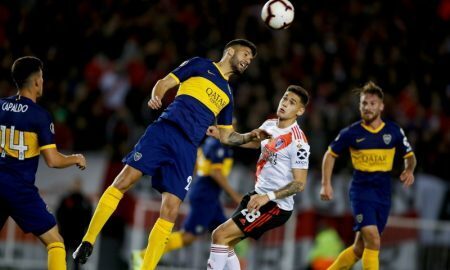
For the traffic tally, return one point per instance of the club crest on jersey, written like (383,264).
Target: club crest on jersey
(359,218)
(387,138)
(279,143)
(137,156)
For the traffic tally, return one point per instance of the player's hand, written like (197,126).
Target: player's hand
(326,192)
(407,177)
(81,161)
(260,134)
(256,201)
(154,103)
(213,131)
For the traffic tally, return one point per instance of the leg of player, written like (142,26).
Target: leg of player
(55,249)
(348,257)
(233,260)
(161,231)
(223,237)
(106,206)
(179,240)
(371,238)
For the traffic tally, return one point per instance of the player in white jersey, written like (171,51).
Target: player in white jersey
(281,172)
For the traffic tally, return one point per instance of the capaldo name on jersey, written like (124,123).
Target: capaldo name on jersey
(14,107)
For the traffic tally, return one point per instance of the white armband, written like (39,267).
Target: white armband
(271,196)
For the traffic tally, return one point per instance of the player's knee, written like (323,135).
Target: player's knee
(219,236)
(372,241)
(169,211)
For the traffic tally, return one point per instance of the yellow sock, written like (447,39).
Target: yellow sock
(175,242)
(370,259)
(157,241)
(106,206)
(56,256)
(345,260)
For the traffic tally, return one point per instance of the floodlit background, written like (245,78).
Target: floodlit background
(103,57)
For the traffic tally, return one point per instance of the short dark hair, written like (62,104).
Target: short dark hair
(300,92)
(371,88)
(242,42)
(23,68)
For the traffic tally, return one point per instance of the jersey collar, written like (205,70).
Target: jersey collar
(372,130)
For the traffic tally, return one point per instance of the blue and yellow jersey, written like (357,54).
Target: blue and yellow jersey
(25,130)
(372,153)
(203,95)
(211,155)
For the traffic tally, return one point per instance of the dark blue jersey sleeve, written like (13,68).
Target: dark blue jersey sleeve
(225,117)
(340,143)
(402,145)
(45,130)
(188,68)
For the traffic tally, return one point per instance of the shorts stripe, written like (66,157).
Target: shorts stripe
(263,219)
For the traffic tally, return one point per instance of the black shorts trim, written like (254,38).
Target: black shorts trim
(254,225)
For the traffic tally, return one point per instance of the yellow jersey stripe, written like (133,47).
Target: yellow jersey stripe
(205,91)
(407,155)
(225,126)
(332,152)
(175,77)
(48,146)
(372,160)
(217,166)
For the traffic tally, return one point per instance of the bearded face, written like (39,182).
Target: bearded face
(240,60)
(370,107)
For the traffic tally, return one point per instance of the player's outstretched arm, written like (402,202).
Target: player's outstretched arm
(230,137)
(159,90)
(55,159)
(326,191)
(214,132)
(407,176)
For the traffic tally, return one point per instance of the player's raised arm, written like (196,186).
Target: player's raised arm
(214,132)
(229,136)
(55,159)
(160,89)
(326,191)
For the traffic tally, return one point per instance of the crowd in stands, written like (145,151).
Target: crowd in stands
(103,57)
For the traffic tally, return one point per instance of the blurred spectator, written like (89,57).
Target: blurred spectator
(73,215)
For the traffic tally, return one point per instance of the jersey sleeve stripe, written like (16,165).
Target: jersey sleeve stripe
(332,153)
(409,154)
(225,126)
(296,135)
(48,146)
(216,166)
(175,77)
(304,136)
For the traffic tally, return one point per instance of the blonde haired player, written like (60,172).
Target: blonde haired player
(281,173)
